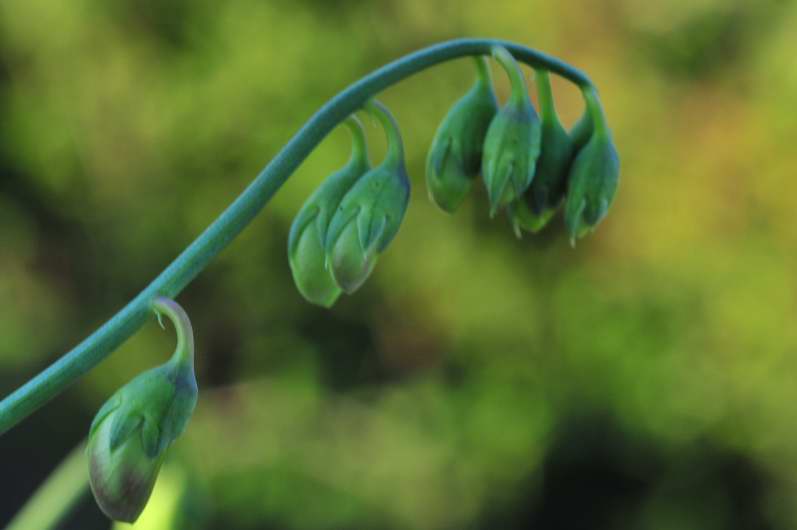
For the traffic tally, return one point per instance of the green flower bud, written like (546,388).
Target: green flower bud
(370,214)
(593,177)
(512,144)
(306,251)
(129,436)
(455,156)
(545,194)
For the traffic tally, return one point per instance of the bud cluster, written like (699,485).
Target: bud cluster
(530,164)
(341,230)
(531,167)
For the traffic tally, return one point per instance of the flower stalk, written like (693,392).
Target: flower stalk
(176,276)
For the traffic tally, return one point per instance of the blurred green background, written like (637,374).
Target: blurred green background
(643,380)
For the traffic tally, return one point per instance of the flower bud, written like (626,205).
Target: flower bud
(370,214)
(541,200)
(593,177)
(455,156)
(129,436)
(512,144)
(306,249)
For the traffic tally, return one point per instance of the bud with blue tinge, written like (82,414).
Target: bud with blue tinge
(370,214)
(512,144)
(131,432)
(593,177)
(306,242)
(545,194)
(455,156)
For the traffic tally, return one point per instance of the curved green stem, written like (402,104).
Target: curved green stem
(520,94)
(395,147)
(545,97)
(359,148)
(86,355)
(595,110)
(483,70)
(184,352)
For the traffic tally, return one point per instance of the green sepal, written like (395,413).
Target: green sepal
(455,155)
(109,406)
(350,262)
(174,422)
(122,427)
(152,440)
(523,217)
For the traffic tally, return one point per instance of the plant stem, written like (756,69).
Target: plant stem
(184,351)
(545,97)
(56,496)
(395,147)
(519,94)
(86,355)
(595,110)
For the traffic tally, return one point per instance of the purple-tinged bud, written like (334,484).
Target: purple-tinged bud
(131,432)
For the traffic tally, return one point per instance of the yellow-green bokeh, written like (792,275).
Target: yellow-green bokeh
(434,396)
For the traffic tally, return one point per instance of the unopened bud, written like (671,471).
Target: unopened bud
(455,156)
(370,214)
(512,144)
(129,436)
(593,177)
(306,242)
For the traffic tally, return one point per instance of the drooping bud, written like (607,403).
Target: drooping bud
(306,242)
(593,177)
(129,436)
(370,214)
(541,200)
(512,144)
(455,156)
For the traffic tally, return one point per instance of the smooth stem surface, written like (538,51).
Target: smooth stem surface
(545,97)
(359,150)
(56,496)
(483,71)
(520,93)
(86,355)
(595,111)
(395,147)
(184,351)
